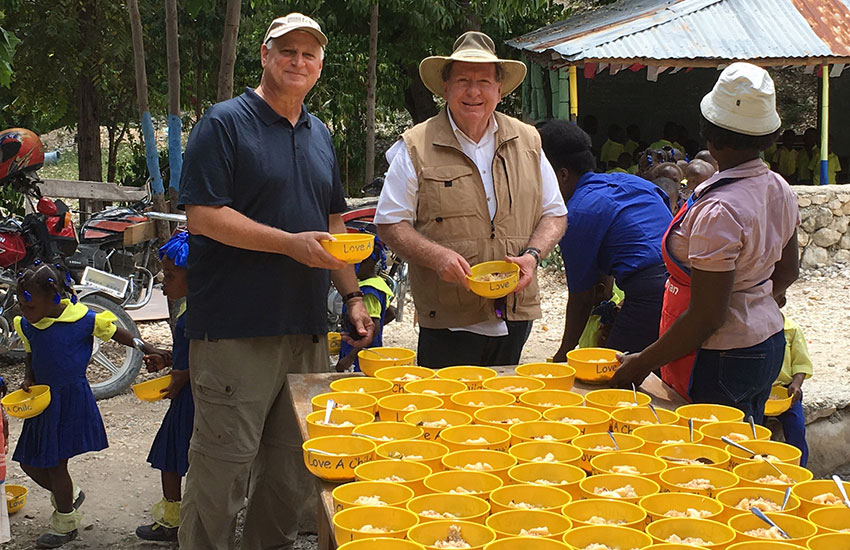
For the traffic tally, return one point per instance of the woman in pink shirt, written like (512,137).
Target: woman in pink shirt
(731,253)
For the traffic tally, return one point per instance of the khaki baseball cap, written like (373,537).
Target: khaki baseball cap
(295,22)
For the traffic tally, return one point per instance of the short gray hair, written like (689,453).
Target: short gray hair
(268,45)
(446,73)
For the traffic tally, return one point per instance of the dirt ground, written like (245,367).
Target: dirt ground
(121,487)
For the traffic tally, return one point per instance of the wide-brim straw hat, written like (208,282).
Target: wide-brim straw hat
(743,100)
(471,47)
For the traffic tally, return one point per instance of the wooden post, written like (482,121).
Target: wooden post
(371,86)
(555,86)
(824,127)
(573,95)
(564,95)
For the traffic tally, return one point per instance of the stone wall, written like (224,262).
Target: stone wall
(823,235)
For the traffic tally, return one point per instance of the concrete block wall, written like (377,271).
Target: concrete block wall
(823,234)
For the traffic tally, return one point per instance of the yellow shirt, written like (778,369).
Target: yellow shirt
(611,151)
(786,159)
(630,147)
(661,144)
(617,170)
(104,322)
(588,336)
(804,157)
(833,166)
(796,354)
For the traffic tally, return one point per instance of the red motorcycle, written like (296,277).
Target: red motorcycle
(48,233)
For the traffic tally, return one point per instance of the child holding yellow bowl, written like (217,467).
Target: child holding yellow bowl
(796,367)
(57,334)
(170,450)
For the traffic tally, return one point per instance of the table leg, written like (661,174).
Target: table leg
(324,528)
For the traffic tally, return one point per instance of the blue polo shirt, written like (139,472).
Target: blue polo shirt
(615,223)
(243,155)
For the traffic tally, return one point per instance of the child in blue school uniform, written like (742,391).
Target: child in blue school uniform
(170,450)
(376,297)
(57,333)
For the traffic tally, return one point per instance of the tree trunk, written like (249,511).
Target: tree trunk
(198,79)
(371,86)
(228,50)
(175,126)
(89,161)
(114,142)
(418,100)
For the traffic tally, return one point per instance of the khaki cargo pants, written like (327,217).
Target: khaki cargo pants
(246,442)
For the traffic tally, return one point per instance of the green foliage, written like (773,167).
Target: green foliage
(553,261)
(8,43)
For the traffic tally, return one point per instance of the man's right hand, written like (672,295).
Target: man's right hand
(453,268)
(306,248)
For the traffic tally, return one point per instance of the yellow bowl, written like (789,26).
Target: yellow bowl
(637,464)
(765,545)
(657,506)
(346,400)
(752,472)
(472,377)
(610,400)
(664,434)
(395,407)
(21,404)
(705,414)
(783,452)
(433,421)
(731,498)
(613,482)
(612,536)
(778,402)
(586,419)
(628,419)
(334,342)
(593,445)
(16,497)
(593,365)
(514,385)
(381,544)
(544,399)
(353,417)
(428,533)
(412,449)
(562,476)
(462,507)
(363,384)
(832,519)
(739,432)
(526,543)
(556,376)
(504,416)
(404,472)
(459,438)
(492,462)
(477,484)
(334,457)
(676,480)
(613,512)
(715,534)
(499,288)
(436,387)
(152,390)
(807,491)
(391,494)
(510,523)
(381,432)
(470,401)
(402,374)
(528,497)
(350,247)
(670,546)
(829,541)
(799,529)
(396,522)
(543,430)
(372,360)
(692,451)
(538,451)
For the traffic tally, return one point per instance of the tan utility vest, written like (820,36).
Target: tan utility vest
(451,210)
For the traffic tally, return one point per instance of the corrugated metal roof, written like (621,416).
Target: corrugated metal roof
(699,30)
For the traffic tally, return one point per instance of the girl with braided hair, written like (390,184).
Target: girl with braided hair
(57,333)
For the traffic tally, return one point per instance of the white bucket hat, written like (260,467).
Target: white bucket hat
(471,47)
(743,100)
(295,22)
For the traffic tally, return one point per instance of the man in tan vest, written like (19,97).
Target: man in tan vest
(470,185)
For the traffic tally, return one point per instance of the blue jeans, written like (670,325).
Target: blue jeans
(794,427)
(740,377)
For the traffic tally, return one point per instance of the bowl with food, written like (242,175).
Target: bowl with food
(493,462)
(549,474)
(623,487)
(832,519)
(594,365)
(606,537)
(526,543)
(761,474)
(415,450)
(546,451)
(372,360)
(586,419)
(610,400)
(370,493)
(334,457)
(739,500)
(381,544)
(514,385)
(451,533)
(704,533)
(363,384)
(595,444)
(635,464)
(818,493)
(401,375)
(16,498)
(494,279)
(658,435)
(345,400)
(693,454)
(470,401)
(340,422)
(396,406)
(680,505)
(628,419)
(433,421)
(749,527)
(829,541)
(528,497)
(698,480)
(404,472)
(363,522)
(773,451)
(476,436)
(704,413)
(444,505)
(543,430)
(472,377)
(604,511)
(436,387)
(463,482)
(505,416)
(381,432)
(555,376)
(739,432)
(544,399)
(351,248)
(529,523)
(778,402)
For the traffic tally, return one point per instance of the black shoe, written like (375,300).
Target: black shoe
(79,500)
(55,540)
(157,532)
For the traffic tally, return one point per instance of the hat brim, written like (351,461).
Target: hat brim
(736,122)
(319,35)
(431,71)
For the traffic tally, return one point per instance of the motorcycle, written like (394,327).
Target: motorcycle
(48,233)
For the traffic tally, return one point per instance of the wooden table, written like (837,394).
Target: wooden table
(303,387)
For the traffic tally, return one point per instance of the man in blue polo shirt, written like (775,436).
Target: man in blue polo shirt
(261,189)
(615,224)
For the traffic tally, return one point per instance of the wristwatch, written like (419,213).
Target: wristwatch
(350,295)
(534,252)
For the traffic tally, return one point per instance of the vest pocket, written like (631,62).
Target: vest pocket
(449,191)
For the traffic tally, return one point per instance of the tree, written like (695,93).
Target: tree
(228,50)
(8,43)
(371,85)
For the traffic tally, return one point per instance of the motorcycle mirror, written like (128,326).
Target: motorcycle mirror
(47,207)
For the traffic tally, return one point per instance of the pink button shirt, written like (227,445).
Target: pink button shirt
(741,227)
